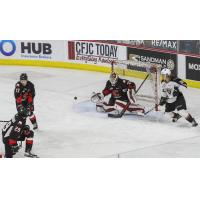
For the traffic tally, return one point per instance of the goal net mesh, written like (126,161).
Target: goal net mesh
(148,84)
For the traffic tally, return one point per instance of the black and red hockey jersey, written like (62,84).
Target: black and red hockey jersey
(24,93)
(120,89)
(13,129)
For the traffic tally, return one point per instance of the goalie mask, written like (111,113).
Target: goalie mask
(113,78)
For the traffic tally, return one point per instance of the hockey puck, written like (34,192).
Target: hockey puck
(75,98)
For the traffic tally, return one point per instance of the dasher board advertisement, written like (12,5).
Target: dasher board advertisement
(95,52)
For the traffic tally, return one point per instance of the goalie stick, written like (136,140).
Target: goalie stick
(124,110)
(121,113)
(142,84)
(149,111)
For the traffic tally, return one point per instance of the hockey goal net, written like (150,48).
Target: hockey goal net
(148,85)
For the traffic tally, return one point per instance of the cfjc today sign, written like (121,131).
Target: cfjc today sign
(95,52)
(193,68)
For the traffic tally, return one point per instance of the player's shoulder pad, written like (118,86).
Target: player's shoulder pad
(18,84)
(122,80)
(108,82)
(30,83)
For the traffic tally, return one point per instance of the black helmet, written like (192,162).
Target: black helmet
(23,112)
(23,77)
(26,128)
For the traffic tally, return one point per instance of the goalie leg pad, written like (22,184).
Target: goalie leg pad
(104,107)
(120,105)
(136,108)
(133,108)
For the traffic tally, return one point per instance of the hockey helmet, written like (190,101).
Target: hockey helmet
(113,78)
(23,112)
(26,129)
(166,71)
(23,77)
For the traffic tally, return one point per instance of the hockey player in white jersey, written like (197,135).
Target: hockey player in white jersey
(173,99)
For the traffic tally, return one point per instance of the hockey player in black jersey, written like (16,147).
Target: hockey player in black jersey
(16,130)
(24,95)
(121,92)
(172,97)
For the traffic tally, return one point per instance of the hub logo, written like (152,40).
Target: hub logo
(7,47)
(36,48)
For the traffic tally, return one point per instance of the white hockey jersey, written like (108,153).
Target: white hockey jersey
(171,90)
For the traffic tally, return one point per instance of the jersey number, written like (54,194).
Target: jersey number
(6,126)
(17,129)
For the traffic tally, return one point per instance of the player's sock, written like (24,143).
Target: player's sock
(33,121)
(29,145)
(176,117)
(35,126)
(194,123)
(191,120)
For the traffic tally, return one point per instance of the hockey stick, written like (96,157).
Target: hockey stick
(2,121)
(149,111)
(142,84)
(121,113)
(112,66)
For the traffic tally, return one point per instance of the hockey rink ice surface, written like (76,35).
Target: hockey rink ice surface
(73,128)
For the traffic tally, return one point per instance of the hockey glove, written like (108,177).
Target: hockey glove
(176,92)
(97,97)
(163,101)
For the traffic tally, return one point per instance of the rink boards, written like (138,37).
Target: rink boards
(96,56)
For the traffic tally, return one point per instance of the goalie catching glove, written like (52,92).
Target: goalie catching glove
(97,97)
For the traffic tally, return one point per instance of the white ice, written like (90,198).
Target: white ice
(72,128)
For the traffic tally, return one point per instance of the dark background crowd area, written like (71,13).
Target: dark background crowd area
(185,46)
